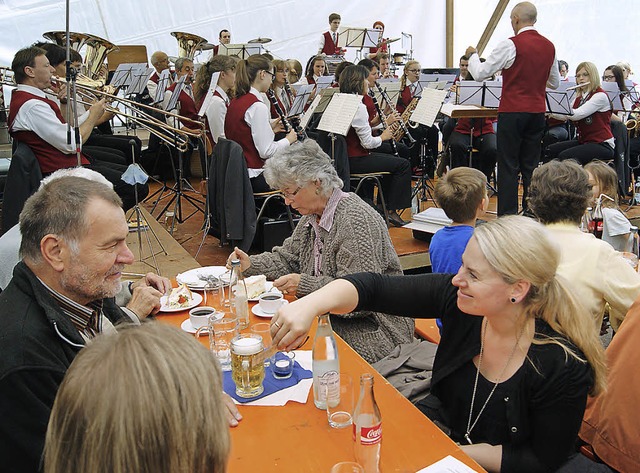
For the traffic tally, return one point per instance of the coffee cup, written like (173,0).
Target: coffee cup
(270,302)
(199,316)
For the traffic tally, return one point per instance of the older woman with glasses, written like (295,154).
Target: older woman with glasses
(339,234)
(592,116)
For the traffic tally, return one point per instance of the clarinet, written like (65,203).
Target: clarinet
(287,89)
(401,122)
(383,120)
(274,101)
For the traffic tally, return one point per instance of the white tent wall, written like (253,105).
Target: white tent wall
(595,30)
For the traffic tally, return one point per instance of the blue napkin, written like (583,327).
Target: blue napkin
(134,175)
(271,385)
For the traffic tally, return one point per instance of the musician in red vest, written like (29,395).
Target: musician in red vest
(360,142)
(247,121)
(329,40)
(592,116)
(224,37)
(374,53)
(38,122)
(186,106)
(217,109)
(528,64)
(160,62)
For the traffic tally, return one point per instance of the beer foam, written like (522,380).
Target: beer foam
(247,346)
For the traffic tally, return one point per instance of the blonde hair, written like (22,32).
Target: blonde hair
(594,78)
(518,248)
(460,192)
(403,79)
(607,181)
(146,398)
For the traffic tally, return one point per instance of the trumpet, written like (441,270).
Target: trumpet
(145,116)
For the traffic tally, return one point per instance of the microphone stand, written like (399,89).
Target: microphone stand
(71,104)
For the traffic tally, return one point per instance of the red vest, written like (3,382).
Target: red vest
(382,49)
(354,147)
(215,49)
(155,78)
(50,158)
(595,128)
(481,126)
(311,80)
(524,83)
(371,108)
(330,48)
(405,99)
(187,106)
(236,129)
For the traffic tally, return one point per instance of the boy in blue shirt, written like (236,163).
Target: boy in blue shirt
(462,194)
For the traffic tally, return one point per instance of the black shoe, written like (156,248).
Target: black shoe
(396,220)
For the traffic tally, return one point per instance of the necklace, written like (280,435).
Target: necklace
(470,425)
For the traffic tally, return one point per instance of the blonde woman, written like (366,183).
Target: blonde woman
(408,84)
(517,357)
(592,116)
(146,398)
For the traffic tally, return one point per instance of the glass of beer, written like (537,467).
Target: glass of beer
(247,364)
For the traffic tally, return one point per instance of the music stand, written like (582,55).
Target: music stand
(392,92)
(558,101)
(140,78)
(240,50)
(302,96)
(163,82)
(359,38)
(323,82)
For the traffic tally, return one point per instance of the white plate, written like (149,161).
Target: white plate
(187,327)
(190,278)
(197,299)
(268,285)
(258,311)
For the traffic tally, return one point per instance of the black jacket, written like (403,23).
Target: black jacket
(545,407)
(33,360)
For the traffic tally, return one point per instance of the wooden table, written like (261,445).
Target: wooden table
(468,111)
(297,437)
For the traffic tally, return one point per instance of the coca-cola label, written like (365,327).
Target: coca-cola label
(369,435)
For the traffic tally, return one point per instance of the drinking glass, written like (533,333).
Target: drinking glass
(282,364)
(222,329)
(347,467)
(214,292)
(340,403)
(247,364)
(264,330)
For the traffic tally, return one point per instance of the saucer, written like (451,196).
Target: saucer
(187,327)
(260,313)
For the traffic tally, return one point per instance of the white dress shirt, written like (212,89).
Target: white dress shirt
(599,102)
(257,117)
(361,125)
(502,57)
(39,117)
(216,113)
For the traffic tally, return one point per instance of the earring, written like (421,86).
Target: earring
(513,300)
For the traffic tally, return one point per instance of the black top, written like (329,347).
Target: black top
(540,407)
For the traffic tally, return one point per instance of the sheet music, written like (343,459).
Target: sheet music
(123,75)
(448,464)
(325,98)
(469,93)
(492,94)
(351,37)
(392,90)
(310,111)
(209,97)
(324,81)
(163,83)
(302,97)
(173,102)
(372,38)
(339,114)
(428,107)
(140,78)
(437,85)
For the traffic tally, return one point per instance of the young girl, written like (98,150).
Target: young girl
(617,228)
(247,121)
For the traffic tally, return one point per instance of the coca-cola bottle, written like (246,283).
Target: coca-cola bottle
(325,364)
(367,427)
(598,219)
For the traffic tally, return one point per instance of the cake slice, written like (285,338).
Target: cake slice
(256,285)
(179,297)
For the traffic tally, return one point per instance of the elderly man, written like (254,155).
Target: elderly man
(528,64)
(38,122)
(61,296)
(160,62)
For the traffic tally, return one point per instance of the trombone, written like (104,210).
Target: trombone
(90,90)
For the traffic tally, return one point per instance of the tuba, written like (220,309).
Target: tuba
(188,43)
(76,40)
(97,50)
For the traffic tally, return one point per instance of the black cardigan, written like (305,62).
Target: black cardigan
(547,409)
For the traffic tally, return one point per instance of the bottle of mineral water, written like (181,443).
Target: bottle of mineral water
(325,364)
(238,299)
(367,427)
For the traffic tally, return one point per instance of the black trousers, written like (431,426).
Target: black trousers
(118,142)
(486,145)
(583,153)
(396,186)
(519,136)
(113,173)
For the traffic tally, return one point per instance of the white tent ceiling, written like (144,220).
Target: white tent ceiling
(597,30)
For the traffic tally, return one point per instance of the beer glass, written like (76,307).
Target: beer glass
(247,364)
(222,329)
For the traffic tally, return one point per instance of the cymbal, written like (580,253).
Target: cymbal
(260,40)
(389,41)
(205,47)
(399,54)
